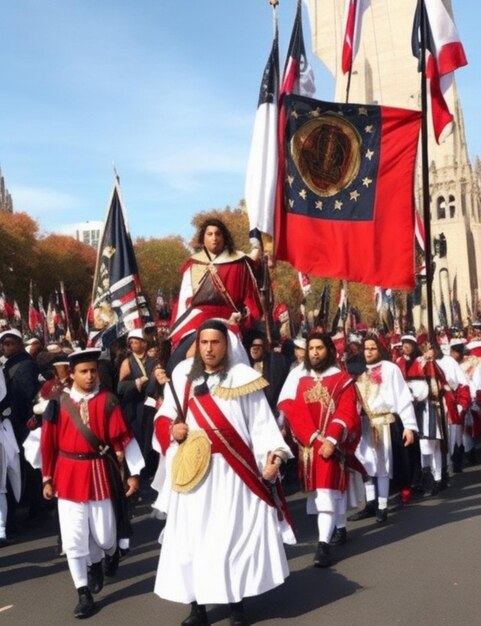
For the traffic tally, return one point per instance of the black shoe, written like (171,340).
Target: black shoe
(95,577)
(322,558)
(111,564)
(436,488)
(339,537)
(237,615)
(381,516)
(86,605)
(197,617)
(368,511)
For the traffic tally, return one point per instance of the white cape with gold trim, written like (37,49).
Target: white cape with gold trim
(221,542)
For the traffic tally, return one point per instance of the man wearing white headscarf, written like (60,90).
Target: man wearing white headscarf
(225,527)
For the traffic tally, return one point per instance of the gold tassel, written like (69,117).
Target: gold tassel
(231,393)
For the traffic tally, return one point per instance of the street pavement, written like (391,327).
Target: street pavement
(421,568)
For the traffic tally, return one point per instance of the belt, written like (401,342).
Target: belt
(85,456)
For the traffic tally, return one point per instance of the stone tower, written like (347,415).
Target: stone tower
(385,72)
(6,203)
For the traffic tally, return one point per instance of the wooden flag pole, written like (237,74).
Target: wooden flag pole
(425,177)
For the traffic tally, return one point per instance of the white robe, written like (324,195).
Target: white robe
(391,396)
(221,542)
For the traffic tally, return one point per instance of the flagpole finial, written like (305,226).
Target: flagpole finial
(117,177)
(273,3)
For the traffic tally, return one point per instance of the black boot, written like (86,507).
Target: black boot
(322,558)
(381,516)
(95,577)
(457,459)
(86,605)
(111,563)
(444,479)
(339,537)
(436,488)
(197,617)
(471,456)
(237,615)
(368,511)
(427,480)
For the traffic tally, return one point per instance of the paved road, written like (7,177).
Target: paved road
(421,568)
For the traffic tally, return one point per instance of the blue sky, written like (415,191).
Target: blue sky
(165,89)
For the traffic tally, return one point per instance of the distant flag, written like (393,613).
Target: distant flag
(351,31)
(322,317)
(118,302)
(305,284)
(261,177)
(17,316)
(345,207)
(419,231)
(444,55)
(6,309)
(43,315)
(68,325)
(50,320)
(341,313)
(35,320)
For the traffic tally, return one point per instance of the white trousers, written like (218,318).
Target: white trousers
(88,529)
(85,526)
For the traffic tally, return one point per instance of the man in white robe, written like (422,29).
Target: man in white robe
(223,539)
(386,403)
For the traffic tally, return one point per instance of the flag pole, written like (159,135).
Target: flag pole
(425,175)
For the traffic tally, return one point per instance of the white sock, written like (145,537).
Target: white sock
(3,515)
(325,524)
(78,570)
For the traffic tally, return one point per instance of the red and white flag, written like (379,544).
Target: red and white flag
(304,283)
(444,55)
(298,76)
(353,12)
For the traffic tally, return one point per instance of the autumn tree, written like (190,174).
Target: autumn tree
(160,261)
(63,258)
(18,254)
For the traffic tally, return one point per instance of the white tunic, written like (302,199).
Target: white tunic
(390,395)
(221,542)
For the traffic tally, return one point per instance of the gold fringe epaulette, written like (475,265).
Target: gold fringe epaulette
(230,393)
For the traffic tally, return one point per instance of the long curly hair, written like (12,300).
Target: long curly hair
(213,221)
(331,358)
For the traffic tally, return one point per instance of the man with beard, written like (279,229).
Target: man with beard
(222,449)
(319,403)
(388,427)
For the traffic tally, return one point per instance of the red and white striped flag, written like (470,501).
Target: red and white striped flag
(444,55)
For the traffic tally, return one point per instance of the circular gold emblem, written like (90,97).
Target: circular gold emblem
(327,153)
(191,462)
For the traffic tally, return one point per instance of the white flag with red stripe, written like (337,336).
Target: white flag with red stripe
(444,55)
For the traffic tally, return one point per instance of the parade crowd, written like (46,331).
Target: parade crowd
(217,414)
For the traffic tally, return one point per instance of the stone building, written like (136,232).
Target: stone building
(385,72)
(6,203)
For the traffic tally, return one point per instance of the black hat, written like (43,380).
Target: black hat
(84,356)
